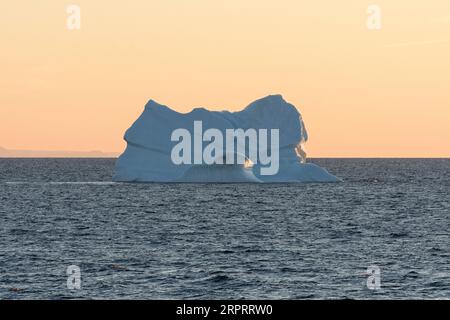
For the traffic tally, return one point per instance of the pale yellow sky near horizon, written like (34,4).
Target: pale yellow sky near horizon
(362,93)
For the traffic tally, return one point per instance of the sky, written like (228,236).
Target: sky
(361,92)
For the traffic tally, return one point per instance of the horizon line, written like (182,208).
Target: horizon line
(311,157)
(67,154)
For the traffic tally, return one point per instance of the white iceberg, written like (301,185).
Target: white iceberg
(147,157)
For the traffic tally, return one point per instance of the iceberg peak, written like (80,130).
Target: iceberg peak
(153,104)
(273,98)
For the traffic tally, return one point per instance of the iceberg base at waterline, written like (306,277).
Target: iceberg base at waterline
(148,156)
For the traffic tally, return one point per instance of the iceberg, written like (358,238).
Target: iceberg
(149,154)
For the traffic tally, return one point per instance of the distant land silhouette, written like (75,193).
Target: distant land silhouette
(7,153)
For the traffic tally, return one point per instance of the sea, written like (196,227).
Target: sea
(68,232)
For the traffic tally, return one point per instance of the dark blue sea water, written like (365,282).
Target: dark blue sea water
(253,241)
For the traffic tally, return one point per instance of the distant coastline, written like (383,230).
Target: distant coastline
(10,153)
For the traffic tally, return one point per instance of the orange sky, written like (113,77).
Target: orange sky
(362,93)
